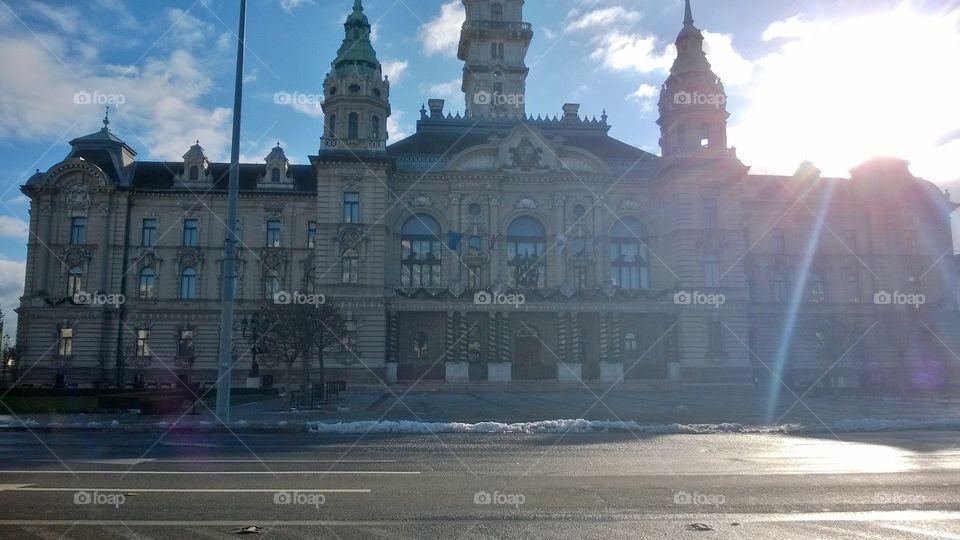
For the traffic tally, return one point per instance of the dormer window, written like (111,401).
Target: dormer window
(354,89)
(375,127)
(275,176)
(194,173)
(353,126)
(496,12)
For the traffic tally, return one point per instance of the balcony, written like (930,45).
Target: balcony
(353,145)
(494,26)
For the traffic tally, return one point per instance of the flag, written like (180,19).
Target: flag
(453,240)
(561,241)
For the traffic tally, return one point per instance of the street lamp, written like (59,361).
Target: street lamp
(254,328)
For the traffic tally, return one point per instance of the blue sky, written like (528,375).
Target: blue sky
(830,81)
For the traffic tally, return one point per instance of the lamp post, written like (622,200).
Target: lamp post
(254,328)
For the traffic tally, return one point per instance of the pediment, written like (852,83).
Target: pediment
(527,151)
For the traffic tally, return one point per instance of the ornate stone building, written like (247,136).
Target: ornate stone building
(494,245)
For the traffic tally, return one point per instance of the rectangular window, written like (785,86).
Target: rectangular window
(273,233)
(148,234)
(580,277)
(185,344)
(65,342)
(498,88)
(709,213)
(143,343)
(351,207)
(850,240)
(312,234)
(191,233)
(349,341)
(711,270)
(779,241)
(78,230)
(474,277)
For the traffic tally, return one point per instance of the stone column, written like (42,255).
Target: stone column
(604,339)
(495,265)
(492,337)
(560,256)
(448,338)
(616,337)
(576,344)
(463,344)
(562,337)
(505,346)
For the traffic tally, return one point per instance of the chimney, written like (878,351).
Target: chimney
(436,108)
(571,111)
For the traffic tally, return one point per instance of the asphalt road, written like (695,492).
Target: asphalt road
(127,485)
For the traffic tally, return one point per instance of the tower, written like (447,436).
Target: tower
(356,94)
(693,104)
(493,47)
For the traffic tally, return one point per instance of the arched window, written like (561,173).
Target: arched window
(74,280)
(817,289)
(188,284)
(629,260)
(711,270)
(375,128)
(350,267)
(275,175)
(194,173)
(271,284)
(147,283)
(778,286)
(853,288)
(420,252)
(526,253)
(496,12)
(332,126)
(353,126)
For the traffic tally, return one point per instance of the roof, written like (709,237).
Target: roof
(159,175)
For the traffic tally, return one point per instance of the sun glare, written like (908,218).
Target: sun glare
(839,92)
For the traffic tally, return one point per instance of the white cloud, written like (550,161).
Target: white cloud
(395,129)
(290,5)
(395,69)
(623,51)
(447,90)
(160,114)
(603,18)
(441,34)
(732,68)
(646,91)
(12,227)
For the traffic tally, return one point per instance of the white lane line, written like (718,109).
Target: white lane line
(190,490)
(203,473)
(7,487)
(161,460)
(921,532)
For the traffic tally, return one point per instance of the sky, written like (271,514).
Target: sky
(830,81)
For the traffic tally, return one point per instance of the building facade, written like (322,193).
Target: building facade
(495,245)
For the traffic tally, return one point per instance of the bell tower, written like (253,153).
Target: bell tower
(493,46)
(693,103)
(356,101)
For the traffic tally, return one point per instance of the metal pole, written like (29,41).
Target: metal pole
(230,255)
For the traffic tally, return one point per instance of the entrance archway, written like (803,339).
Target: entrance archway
(530,362)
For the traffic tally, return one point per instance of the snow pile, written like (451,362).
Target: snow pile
(544,426)
(606,426)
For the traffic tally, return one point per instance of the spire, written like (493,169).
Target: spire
(688,15)
(106,119)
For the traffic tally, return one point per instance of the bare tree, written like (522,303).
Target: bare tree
(296,331)
(832,336)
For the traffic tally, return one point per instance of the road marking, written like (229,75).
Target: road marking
(214,472)
(190,490)
(8,487)
(922,532)
(162,460)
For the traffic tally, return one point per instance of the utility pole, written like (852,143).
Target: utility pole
(225,366)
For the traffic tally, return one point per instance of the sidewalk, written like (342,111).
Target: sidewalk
(643,404)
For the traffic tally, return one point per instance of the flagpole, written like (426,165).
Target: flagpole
(225,364)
